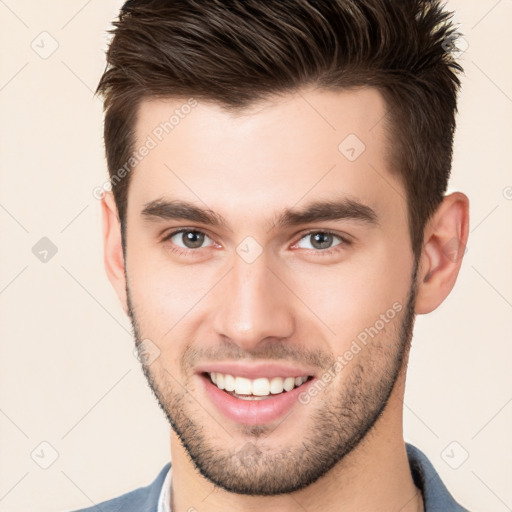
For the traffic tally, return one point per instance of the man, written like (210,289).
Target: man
(277,219)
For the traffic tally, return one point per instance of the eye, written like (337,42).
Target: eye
(322,241)
(190,239)
(185,241)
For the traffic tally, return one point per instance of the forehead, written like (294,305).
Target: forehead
(312,144)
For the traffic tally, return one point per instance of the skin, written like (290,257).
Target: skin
(344,450)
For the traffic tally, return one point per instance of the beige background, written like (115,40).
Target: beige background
(68,376)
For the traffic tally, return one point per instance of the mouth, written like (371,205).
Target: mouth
(254,401)
(261,388)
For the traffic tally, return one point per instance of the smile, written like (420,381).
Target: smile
(254,389)
(254,401)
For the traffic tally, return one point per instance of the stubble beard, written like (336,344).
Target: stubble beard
(340,419)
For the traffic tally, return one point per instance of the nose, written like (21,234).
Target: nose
(253,305)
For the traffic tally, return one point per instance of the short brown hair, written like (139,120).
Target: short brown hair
(236,53)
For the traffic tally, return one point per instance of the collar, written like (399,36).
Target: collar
(164,501)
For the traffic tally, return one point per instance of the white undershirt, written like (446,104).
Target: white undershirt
(164,501)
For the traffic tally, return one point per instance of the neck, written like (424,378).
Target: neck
(375,476)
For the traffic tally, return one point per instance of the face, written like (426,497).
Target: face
(263,249)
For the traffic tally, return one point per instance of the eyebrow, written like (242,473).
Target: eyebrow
(341,209)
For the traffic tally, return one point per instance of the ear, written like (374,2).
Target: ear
(113,249)
(444,245)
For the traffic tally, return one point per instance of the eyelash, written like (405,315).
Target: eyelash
(344,241)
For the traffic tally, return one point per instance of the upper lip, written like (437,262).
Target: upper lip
(255,370)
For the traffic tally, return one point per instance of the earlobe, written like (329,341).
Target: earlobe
(444,246)
(113,249)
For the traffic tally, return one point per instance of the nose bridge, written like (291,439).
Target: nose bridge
(254,304)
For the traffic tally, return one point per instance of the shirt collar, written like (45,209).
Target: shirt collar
(164,501)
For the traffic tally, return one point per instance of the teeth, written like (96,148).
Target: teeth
(229,383)
(242,386)
(260,387)
(276,385)
(257,387)
(289,383)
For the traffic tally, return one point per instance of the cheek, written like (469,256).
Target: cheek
(169,298)
(351,296)
(161,302)
(161,297)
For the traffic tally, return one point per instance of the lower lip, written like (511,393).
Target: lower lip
(253,412)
